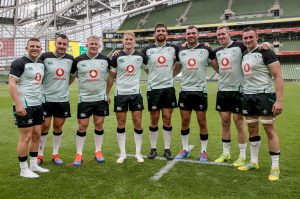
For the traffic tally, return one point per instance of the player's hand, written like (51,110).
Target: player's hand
(20,110)
(184,44)
(265,46)
(207,45)
(108,100)
(277,108)
(116,53)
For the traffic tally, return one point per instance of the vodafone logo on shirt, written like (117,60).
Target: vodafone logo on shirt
(192,62)
(225,62)
(130,68)
(161,60)
(60,72)
(93,73)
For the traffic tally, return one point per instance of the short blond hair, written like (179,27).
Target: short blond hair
(93,37)
(223,27)
(129,33)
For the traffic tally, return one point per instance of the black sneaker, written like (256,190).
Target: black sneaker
(168,154)
(152,154)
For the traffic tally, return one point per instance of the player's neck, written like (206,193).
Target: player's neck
(227,44)
(33,59)
(92,55)
(192,45)
(253,48)
(58,54)
(160,43)
(129,51)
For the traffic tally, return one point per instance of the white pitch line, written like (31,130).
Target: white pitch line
(167,168)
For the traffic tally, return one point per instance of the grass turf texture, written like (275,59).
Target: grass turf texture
(132,179)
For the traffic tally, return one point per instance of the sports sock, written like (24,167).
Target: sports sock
(98,137)
(243,148)
(185,139)
(275,159)
(167,132)
(121,137)
(254,148)
(80,139)
(138,140)
(226,146)
(57,136)
(204,141)
(42,144)
(153,133)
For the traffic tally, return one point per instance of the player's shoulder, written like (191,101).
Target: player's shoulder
(152,45)
(20,61)
(68,56)
(101,56)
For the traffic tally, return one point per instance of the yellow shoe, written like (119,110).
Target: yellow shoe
(223,158)
(249,166)
(239,162)
(274,174)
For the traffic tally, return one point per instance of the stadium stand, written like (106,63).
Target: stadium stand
(244,7)
(290,8)
(289,45)
(132,22)
(291,71)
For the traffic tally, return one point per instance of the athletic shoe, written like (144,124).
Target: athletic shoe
(40,159)
(122,158)
(274,174)
(152,154)
(99,157)
(168,154)
(56,159)
(182,154)
(37,168)
(249,166)
(139,158)
(239,162)
(78,160)
(223,158)
(27,173)
(203,157)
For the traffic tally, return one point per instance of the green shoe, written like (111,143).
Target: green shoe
(249,166)
(223,158)
(239,162)
(274,174)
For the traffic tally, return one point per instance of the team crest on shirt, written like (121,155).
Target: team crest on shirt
(93,73)
(255,58)
(138,60)
(234,52)
(171,50)
(101,64)
(60,72)
(201,53)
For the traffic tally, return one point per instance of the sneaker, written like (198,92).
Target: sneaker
(27,173)
(152,154)
(274,174)
(56,159)
(239,162)
(122,158)
(78,160)
(139,158)
(182,154)
(37,168)
(223,158)
(249,166)
(203,157)
(168,154)
(40,159)
(99,157)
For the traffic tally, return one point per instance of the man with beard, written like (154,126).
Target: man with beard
(194,59)
(56,97)
(161,92)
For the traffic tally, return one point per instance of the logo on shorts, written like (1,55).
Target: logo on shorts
(105,112)
(66,113)
(161,60)
(245,112)
(82,114)
(44,113)
(93,73)
(181,104)
(154,107)
(192,62)
(30,121)
(237,109)
(265,112)
(218,107)
(38,77)
(119,108)
(173,104)
(60,72)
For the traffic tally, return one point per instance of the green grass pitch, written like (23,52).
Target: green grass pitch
(132,179)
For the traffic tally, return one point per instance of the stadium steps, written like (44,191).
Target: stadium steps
(291,45)
(183,17)
(290,8)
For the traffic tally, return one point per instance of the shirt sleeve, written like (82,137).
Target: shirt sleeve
(17,68)
(269,56)
(74,67)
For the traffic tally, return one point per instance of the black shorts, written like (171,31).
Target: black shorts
(33,117)
(258,104)
(229,101)
(192,100)
(135,103)
(98,108)
(57,109)
(161,98)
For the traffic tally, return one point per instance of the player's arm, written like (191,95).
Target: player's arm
(275,70)
(177,69)
(110,82)
(13,91)
(72,78)
(214,65)
(73,72)
(265,46)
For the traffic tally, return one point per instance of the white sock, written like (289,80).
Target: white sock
(254,149)
(56,143)
(80,143)
(203,145)
(98,142)
(226,148)
(153,138)
(42,144)
(23,166)
(122,141)
(185,142)
(138,139)
(167,138)
(243,148)
(275,161)
(33,162)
